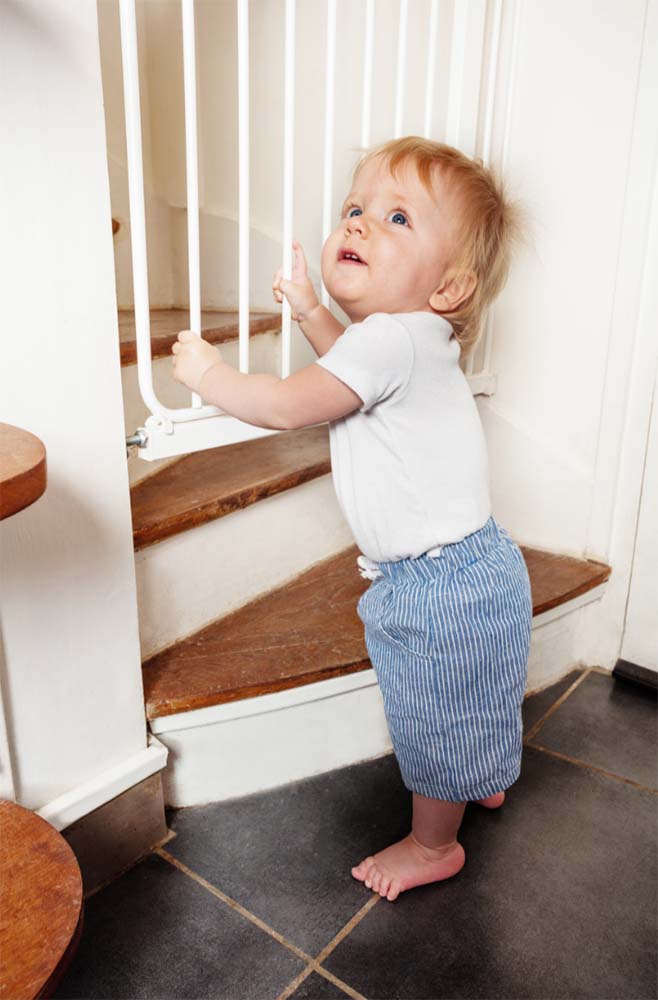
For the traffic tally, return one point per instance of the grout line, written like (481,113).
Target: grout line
(602,672)
(349,926)
(556,704)
(297,981)
(591,767)
(313,964)
(339,983)
(233,904)
(313,967)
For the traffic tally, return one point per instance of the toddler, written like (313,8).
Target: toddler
(422,246)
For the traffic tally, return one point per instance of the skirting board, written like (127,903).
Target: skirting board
(78,802)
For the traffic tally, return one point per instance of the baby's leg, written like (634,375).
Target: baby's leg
(429,853)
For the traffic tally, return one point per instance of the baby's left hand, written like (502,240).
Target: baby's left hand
(193,356)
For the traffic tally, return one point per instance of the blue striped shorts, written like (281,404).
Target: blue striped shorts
(448,637)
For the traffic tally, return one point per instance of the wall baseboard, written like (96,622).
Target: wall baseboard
(635,674)
(114,837)
(83,799)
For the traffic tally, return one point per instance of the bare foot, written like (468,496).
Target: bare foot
(407,864)
(493,801)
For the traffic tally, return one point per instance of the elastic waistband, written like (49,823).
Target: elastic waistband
(426,566)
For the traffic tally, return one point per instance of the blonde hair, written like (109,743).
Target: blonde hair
(490,225)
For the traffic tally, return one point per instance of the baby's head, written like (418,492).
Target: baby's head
(433,230)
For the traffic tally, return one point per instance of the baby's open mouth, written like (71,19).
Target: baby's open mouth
(347,256)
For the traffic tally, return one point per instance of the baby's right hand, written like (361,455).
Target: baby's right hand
(299,290)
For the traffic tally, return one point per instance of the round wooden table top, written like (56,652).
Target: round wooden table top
(41,904)
(22,469)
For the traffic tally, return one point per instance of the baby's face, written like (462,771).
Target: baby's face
(403,236)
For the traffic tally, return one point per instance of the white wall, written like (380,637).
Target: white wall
(69,651)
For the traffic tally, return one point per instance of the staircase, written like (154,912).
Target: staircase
(255,669)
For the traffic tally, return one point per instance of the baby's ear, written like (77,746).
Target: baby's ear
(455,288)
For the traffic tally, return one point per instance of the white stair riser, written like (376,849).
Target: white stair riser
(234,756)
(264,357)
(189,580)
(241,756)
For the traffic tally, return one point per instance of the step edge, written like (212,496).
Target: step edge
(161,345)
(316,689)
(238,696)
(213,510)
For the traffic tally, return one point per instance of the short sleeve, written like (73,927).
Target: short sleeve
(374,358)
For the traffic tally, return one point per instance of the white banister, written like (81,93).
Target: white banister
(192,171)
(288,175)
(367,72)
(431,68)
(402,65)
(330,74)
(243,182)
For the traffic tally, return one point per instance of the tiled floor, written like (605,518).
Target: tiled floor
(253,898)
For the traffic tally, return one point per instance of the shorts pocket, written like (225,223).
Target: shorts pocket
(407,623)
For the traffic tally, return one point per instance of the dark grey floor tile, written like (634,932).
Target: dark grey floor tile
(286,854)
(608,723)
(557,900)
(536,705)
(155,932)
(316,987)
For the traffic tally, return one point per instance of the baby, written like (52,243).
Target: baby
(422,246)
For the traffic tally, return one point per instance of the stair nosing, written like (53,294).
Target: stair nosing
(161,344)
(254,689)
(213,508)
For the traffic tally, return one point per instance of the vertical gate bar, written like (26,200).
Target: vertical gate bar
(330,73)
(491,82)
(288,164)
(132,110)
(192,172)
(402,58)
(431,65)
(367,72)
(511,83)
(243,171)
(486,157)
(456,78)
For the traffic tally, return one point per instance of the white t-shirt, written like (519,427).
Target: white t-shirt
(410,466)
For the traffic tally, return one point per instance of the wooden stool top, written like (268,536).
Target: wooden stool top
(22,469)
(40,904)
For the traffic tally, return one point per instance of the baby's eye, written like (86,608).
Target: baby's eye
(352,209)
(401,215)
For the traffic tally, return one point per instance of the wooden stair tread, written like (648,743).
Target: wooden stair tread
(41,914)
(22,469)
(308,630)
(217,325)
(214,482)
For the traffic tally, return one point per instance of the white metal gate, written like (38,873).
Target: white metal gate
(475,42)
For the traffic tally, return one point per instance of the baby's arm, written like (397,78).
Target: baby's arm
(320,328)
(318,325)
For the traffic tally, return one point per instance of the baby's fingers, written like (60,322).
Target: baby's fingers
(299,270)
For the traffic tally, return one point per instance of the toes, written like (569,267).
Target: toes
(361,871)
(393,892)
(376,880)
(385,885)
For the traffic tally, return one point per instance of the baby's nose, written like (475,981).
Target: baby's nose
(356,224)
